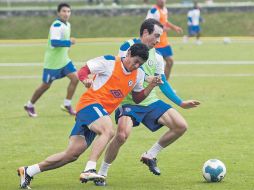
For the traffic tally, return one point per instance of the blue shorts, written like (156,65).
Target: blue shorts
(84,118)
(165,51)
(148,115)
(193,30)
(49,75)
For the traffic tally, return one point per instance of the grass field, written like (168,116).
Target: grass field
(220,76)
(216,24)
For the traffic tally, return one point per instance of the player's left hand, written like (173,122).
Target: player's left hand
(190,104)
(156,81)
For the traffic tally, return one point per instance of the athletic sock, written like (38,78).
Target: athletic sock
(90,165)
(67,102)
(33,170)
(104,168)
(29,104)
(154,150)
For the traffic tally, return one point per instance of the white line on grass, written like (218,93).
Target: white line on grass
(38,64)
(8,77)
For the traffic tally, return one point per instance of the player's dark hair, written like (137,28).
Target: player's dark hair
(61,5)
(140,50)
(149,25)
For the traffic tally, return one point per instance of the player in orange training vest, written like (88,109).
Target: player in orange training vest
(114,78)
(159,12)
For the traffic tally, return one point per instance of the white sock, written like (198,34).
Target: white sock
(67,102)
(90,165)
(154,150)
(33,170)
(104,168)
(29,104)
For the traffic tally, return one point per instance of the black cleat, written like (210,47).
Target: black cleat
(151,163)
(25,179)
(100,182)
(90,175)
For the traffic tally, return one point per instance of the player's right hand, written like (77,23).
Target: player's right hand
(73,41)
(189,104)
(88,82)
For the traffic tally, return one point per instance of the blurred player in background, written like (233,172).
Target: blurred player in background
(57,63)
(152,112)
(114,78)
(159,12)
(194,20)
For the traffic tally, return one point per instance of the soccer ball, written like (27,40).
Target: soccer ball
(226,40)
(214,170)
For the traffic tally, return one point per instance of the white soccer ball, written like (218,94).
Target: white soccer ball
(214,170)
(226,40)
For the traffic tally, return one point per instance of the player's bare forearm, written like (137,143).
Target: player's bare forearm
(140,96)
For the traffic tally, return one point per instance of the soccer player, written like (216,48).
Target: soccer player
(194,19)
(57,63)
(152,112)
(159,12)
(114,78)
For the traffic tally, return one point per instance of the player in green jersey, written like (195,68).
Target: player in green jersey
(152,112)
(57,63)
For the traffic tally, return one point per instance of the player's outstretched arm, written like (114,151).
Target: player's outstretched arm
(171,26)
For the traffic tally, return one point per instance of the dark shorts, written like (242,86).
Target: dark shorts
(148,115)
(193,30)
(84,118)
(166,51)
(49,75)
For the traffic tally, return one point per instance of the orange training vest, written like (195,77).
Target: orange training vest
(111,94)
(163,20)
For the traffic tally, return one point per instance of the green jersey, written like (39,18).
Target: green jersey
(154,65)
(57,57)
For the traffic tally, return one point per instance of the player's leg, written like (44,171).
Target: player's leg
(176,124)
(103,127)
(77,145)
(70,71)
(167,54)
(29,106)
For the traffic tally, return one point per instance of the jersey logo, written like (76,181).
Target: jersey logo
(117,93)
(130,83)
(150,62)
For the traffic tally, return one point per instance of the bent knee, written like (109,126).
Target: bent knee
(182,128)
(122,137)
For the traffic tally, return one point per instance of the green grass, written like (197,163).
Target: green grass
(222,127)
(216,24)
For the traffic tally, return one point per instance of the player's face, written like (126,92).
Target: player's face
(161,3)
(152,39)
(133,63)
(64,13)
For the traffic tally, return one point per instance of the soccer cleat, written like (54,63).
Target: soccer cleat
(90,175)
(30,110)
(25,179)
(100,182)
(151,163)
(68,109)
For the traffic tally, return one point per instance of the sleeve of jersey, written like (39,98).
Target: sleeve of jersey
(169,92)
(140,80)
(153,13)
(124,49)
(160,66)
(55,36)
(101,65)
